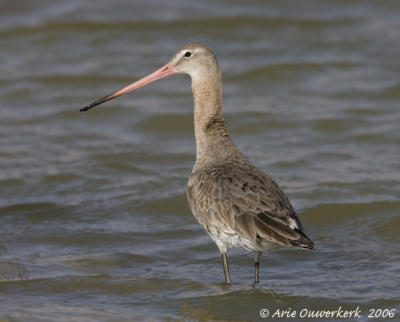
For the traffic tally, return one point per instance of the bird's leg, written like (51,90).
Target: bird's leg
(226,267)
(257,256)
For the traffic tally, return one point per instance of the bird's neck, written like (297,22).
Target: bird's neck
(213,143)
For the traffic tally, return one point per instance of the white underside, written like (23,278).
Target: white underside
(225,239)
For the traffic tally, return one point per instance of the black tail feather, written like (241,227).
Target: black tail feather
(303,241)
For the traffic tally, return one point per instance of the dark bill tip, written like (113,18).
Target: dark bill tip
(101,100)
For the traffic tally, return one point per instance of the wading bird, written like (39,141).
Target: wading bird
(237,204)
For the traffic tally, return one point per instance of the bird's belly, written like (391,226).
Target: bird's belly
(231,239)
(225,237)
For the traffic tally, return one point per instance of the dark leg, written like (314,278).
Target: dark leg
(256,266)
(226,268)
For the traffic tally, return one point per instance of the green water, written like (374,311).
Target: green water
(94,223)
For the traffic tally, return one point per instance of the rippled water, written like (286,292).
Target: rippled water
(94,221)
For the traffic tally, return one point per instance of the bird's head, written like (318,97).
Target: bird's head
(194,59)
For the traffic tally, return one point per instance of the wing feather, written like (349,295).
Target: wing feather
(246,200)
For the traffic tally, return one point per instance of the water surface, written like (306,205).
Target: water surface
(94,221)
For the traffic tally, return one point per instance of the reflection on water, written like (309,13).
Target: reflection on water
(94,220)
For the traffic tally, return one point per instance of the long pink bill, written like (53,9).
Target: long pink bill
(164,71)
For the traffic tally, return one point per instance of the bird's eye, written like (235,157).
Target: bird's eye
(188,54)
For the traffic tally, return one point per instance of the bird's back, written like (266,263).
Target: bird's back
(241,206)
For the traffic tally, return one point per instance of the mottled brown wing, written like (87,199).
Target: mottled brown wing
(246,200)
